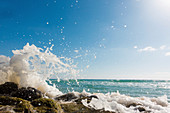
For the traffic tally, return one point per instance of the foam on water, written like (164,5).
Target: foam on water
(32,66)
(118,103)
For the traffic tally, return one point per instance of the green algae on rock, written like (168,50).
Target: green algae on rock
(42,105)
(80,108)
(19,104)
(47,105)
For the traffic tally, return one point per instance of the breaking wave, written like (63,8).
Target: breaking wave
(33,66)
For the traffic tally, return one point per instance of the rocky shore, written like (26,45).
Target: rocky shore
(30,100)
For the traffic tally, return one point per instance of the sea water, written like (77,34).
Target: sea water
(33,67)
(134,88)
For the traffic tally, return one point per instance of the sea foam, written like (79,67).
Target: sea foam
(119,103)
(33,66)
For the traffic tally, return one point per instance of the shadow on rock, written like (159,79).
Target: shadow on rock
(28,93)
(7,88)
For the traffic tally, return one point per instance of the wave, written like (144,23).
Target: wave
(33,66)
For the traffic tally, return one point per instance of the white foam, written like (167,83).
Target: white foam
(32,66)
(118,103)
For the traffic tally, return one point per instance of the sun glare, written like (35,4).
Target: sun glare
(157,10)
(162,5)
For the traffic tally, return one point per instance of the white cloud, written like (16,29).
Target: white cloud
(162,47)
(149,48)
(167,54)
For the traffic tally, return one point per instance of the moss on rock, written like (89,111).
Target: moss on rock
(19,104)
(45,105)
(41,105)
(80,108)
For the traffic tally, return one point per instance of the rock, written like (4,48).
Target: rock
(133,104)
(75,98)
(18,104)
(28,93)
(7,88)
(80,108)
(141,109)
(47,105)
(89,98)
(11,89)
(42,105)
(6,109)
(67,97)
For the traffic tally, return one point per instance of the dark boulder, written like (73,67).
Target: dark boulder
(89,98)
(28,93)
(67,97)
(7,88)
(141,109)
(133,104)
(75,98)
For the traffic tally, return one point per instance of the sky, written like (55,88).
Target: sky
(106,38)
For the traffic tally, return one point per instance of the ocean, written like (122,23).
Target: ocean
(133,88)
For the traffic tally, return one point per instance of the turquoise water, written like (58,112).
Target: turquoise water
(134,88)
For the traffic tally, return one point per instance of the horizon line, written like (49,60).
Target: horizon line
(118,79)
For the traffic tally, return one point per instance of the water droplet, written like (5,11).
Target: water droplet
(125,26)
(61,30)
(112,27)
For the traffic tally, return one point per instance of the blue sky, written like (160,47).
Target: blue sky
(114,38)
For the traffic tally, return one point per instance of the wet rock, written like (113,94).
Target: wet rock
(89,98)
(67,97)
(7,88)
(46,105)
(80,108)
(75,97)
(141,109)
(28,93)
(6,109)
(17,104)
(133,104)
(93,96)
